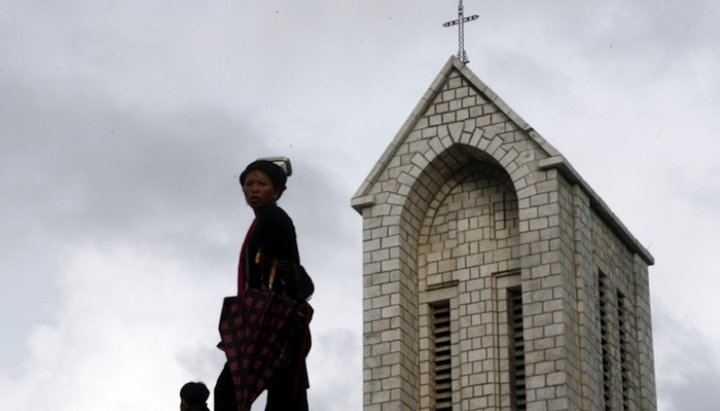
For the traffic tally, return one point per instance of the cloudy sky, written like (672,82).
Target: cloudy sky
(124,126)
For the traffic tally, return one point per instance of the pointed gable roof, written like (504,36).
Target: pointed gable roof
(554,160)
(453,64)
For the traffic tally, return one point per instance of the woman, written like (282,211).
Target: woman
(270,241)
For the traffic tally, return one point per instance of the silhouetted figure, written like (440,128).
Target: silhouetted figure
(193,397)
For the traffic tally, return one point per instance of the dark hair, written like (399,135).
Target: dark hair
(275,172)
(194,393)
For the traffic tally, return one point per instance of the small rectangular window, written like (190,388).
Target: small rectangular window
(624,354)
(442,362)
(605,339)
(517,348)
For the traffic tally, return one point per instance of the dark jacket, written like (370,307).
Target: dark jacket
(272,239)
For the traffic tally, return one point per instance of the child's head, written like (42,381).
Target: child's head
(192,395)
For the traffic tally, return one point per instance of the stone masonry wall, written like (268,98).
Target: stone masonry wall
(459,128)
(469,235)
(628,285)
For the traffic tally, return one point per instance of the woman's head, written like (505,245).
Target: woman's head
(263,183)
(276,174)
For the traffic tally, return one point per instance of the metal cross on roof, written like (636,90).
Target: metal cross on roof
(460,22)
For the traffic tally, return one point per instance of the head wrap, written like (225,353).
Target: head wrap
(275,172)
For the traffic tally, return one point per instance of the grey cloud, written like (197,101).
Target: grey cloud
(86,167)
(687,363)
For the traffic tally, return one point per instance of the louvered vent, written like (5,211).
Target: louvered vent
(624,355)
(442,365)
(517,348)
(605,340)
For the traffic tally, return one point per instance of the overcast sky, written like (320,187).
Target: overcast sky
(124,126)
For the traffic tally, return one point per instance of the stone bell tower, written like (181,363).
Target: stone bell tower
(494,276)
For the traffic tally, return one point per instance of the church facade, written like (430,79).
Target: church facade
(494,277)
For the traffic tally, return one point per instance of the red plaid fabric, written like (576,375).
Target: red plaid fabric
(255,329)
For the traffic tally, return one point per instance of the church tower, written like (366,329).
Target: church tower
(494,277)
